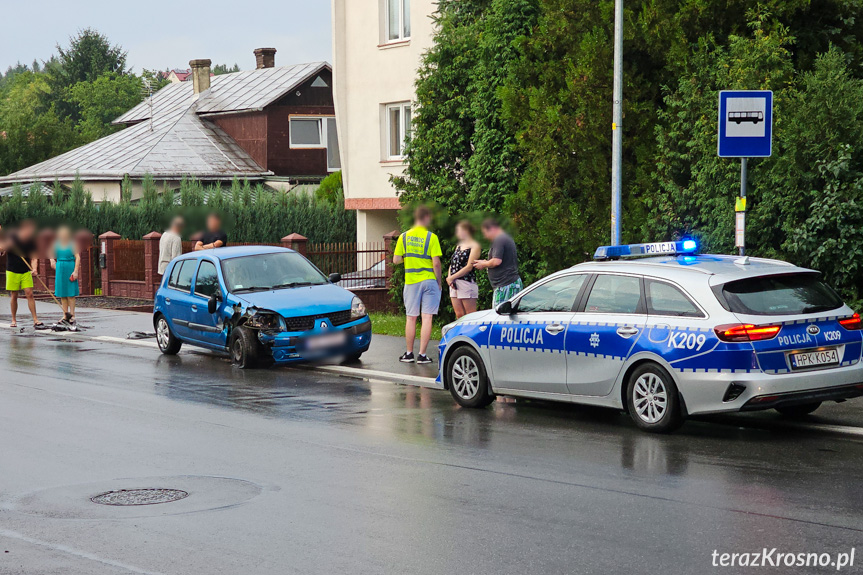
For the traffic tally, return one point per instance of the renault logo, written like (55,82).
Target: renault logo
(813,330)
(325,326)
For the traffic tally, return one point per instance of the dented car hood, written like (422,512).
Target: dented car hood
(300,301)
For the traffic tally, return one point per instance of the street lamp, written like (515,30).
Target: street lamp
(617,126)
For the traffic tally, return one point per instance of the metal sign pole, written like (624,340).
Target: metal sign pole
(616,128)
(742,215)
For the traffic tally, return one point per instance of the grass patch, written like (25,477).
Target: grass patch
(393,324)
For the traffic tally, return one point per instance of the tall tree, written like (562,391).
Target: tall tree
(88,56)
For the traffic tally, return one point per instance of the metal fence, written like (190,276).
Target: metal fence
(362,266)
(128,260)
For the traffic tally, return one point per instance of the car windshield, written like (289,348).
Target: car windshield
(789,294)
(264,272)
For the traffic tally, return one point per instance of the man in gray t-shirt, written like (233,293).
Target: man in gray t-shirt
(502,262)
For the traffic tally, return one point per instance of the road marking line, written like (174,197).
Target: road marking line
(366,373)
(76,552)
(110,339)
(844,429)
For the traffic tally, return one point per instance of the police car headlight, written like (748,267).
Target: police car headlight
(446,328)
(358,308)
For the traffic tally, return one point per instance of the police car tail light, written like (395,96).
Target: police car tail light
(740,332)
(852,323)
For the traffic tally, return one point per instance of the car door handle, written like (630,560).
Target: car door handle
(627,331)
(168,300)
(555,328)
(194,307)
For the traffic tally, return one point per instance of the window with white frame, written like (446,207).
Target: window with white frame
(307,132)
(398,19)
(398,129)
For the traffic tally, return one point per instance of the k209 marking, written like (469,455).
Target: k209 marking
(683,340)
(833,335)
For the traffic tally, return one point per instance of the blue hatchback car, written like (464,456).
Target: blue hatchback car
(261,304)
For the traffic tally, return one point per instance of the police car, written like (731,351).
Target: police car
(663,336)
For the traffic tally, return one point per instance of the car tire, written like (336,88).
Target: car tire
(245,349)
(353,357)
(652,399)
(801,410)
(467,379)
(168,342)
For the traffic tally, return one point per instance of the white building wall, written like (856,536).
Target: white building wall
(369,73)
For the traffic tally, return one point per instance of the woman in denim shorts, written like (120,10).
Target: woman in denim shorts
(461,279)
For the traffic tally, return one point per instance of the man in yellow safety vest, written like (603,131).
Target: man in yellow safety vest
(419,250)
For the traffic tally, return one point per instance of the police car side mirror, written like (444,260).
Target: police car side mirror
(213,302)
(335,278)
(505,308)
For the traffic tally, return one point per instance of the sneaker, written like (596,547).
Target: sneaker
(423,359)
(408,357)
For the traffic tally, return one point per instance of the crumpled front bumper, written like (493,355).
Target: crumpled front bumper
(290,347)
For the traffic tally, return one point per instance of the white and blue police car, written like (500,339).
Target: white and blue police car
(662,332)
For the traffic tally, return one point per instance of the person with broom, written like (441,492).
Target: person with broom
(66,261)
(21,262)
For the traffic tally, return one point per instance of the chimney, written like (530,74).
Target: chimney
(265,58)
(200,75)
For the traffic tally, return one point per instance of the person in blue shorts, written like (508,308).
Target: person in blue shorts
(420,251)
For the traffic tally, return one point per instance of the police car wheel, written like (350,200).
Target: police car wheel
(244,348)
(798,410)
(652,399)
(467,379)
(168,344)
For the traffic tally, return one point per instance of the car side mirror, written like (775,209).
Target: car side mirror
(504,308)
(213,302)
(335,278)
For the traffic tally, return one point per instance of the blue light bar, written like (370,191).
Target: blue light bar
(687,246)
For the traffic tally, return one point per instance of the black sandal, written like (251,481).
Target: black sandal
(40,326)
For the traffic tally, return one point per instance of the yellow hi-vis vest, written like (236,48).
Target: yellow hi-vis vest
(418,246)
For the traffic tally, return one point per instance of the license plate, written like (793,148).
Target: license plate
(325,341)
(815,359)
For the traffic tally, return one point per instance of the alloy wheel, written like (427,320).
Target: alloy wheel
(163,333)
(465,377)
(650,398)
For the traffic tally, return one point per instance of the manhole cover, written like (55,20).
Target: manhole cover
(139,496)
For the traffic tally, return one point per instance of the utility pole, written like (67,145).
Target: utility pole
(617,126)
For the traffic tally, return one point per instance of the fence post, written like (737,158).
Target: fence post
(296,242)
(84,241)
(151,264)
(106,246)
(390,240)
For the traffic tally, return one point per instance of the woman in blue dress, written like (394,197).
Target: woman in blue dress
(66,261)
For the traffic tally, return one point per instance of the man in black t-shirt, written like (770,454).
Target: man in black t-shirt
(21,262)
(214,237)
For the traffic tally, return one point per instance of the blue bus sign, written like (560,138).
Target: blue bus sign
(745,123)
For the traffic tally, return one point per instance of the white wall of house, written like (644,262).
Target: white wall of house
(377,47)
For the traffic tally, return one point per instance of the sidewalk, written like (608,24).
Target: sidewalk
(380,362)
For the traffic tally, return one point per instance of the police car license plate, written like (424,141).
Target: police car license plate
(325,341)
(815,358)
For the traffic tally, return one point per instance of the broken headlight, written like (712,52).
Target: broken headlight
(264,320)
(358,308)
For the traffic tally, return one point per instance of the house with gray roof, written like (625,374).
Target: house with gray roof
(274,125)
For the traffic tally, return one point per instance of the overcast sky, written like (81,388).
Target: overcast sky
(161,34)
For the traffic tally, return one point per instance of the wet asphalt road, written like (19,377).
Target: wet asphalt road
(296,471)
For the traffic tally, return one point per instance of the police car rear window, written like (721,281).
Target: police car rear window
(779,295)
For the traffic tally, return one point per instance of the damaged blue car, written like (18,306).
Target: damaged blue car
(260,304)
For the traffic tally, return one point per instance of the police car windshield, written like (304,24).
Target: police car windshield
(280,270)
(780,295)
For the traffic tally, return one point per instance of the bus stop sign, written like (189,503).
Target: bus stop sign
(745,123)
